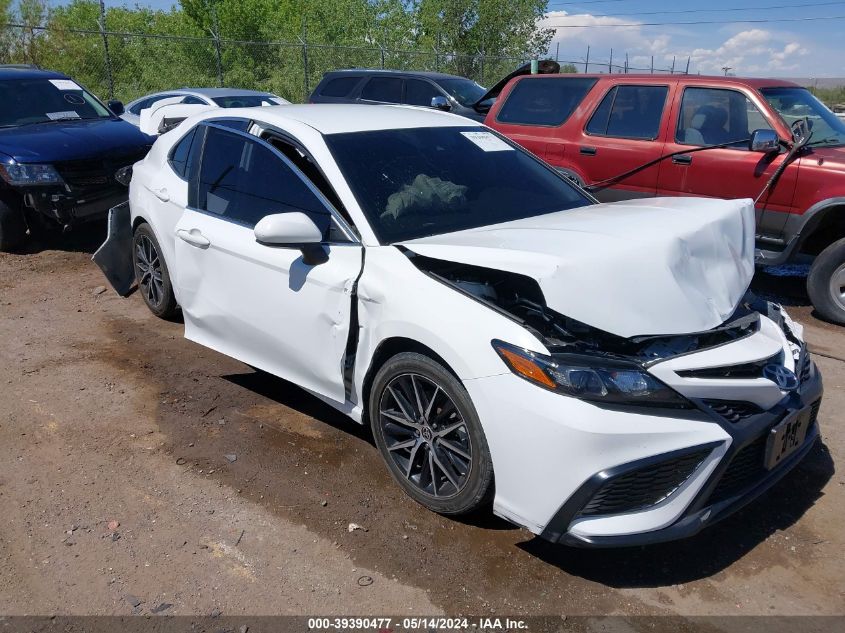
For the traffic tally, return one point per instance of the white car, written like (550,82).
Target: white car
(603,364)
(210,97)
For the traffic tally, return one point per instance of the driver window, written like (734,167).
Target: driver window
(241,180)
(714,116)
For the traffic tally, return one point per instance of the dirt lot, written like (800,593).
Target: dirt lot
(139,470)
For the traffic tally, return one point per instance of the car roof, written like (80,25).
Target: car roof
(27,72)
(207,92)
(221,92)
(751,82)
(336,118)
(385,71)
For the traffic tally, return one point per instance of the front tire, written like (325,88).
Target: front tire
(826,283)
(12,227)
(151,273)
(429,434)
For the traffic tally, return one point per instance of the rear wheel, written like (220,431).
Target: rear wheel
(826,283)
(12,227)
(429,434)
(151,273)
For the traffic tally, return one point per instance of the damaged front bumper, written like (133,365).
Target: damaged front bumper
(602,475)
(68,208)
(114,257)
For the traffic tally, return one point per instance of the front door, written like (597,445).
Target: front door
(263,304)
(713,116)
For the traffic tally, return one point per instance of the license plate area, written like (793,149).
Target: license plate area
(786,437)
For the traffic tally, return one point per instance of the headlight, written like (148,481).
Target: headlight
(22,174)
(590,378)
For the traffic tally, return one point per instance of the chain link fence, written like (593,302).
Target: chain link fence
(128,65)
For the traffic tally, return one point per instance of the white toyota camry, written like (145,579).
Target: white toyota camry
(599,372)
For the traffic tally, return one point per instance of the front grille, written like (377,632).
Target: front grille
(747,467)
(745,370)
(95,173)
(734,411)
(643,487)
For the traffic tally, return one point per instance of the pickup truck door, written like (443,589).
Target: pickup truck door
(625,130)
(263,304)
(711,116)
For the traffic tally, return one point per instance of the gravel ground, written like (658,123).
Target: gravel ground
(141,473)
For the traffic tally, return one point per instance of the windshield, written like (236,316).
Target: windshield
(28,101)
(417,182)
(793,104)
(246,101)
(464,91)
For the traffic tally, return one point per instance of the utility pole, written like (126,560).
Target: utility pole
(726,69)
(686,72)
(672,72)
(610,63)
(652,64)
(109,75)
(587,62)
(626,63)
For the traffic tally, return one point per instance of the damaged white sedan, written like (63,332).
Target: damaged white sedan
(598,372)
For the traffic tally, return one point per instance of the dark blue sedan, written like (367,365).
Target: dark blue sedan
(59,150)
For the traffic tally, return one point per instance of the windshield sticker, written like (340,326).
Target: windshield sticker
(488,142)
(75,99)
(56,116)
(65,84)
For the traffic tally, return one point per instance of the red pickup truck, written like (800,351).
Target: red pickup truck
(774,142)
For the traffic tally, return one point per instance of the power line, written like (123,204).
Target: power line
(732,9)
(694,22)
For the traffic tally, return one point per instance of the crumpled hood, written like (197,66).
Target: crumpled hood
(651,266)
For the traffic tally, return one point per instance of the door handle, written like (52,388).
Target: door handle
(161,194)
(587,151)
(194,237)
(683,159)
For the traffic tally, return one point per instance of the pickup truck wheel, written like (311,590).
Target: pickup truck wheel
(12,228)
(152,274)
(826,283)
(429,434)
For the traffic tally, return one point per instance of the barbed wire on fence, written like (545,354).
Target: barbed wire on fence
(124,65)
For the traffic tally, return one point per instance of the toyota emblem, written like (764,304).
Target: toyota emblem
(781,376)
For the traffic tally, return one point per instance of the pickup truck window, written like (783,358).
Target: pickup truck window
(547,101)
(630,112)
(713,116)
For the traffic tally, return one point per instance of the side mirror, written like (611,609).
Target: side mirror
(116,107)
(441,103)
(287,229)
(765,141)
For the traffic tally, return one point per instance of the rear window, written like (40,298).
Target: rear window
(547,101)
(339,87)
(629,112)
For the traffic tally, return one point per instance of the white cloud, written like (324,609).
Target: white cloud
(750,51)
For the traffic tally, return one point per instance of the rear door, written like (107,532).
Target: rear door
(382,89)
(709,116)
(624,131)
(262,304)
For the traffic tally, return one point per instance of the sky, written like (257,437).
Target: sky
(797,48)
(809,45)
